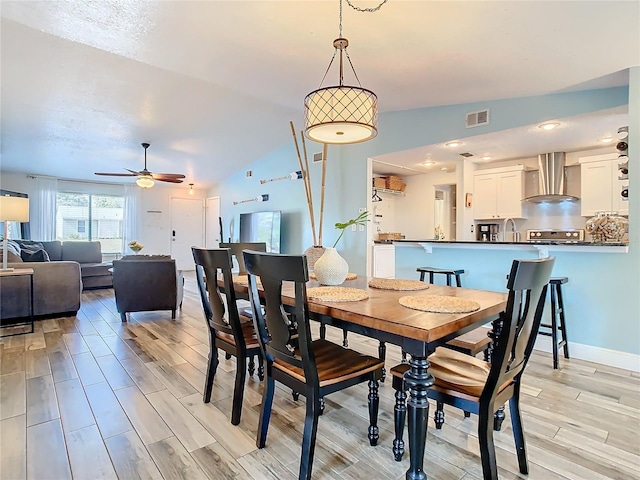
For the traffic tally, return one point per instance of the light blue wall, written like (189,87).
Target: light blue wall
(604,294)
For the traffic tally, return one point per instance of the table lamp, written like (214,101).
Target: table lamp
(12,209)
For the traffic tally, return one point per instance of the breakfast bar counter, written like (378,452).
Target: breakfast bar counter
(543,247)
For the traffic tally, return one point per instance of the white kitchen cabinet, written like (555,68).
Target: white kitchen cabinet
(384,261)
(498,193)
(600,187)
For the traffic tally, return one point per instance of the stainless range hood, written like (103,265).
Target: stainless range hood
(551,177)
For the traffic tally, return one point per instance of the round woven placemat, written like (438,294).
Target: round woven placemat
(397,284)
(439,304)
(350,276)
(336,294)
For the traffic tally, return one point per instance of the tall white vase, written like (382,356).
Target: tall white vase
(331,268)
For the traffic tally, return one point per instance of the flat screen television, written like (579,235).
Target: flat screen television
(262,227)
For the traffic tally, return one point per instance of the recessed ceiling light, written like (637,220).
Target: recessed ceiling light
(453,144)
(444,169)
(549,125)
(607,140)
(429,163)
(486,157)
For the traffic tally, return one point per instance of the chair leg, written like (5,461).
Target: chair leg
(295,396)
(374,402)
(382,354)
(238,391)
(252,365)
(323,331)
(487,447)
(227,356)
(260,367)
(498,418)
(467,414)
(345,342)
(563,325)
(309,436)
(322,405)
(399,418)
(554,327)
(123,317)
(265,411)
(211,373)
(518,432)
(438,415)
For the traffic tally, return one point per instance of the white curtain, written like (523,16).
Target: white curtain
(45,221)
(131,215)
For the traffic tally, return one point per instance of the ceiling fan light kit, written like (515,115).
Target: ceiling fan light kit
(342,114)
(146,179)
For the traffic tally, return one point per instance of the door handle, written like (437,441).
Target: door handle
(173,235)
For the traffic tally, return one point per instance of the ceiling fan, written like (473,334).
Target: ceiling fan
(146,179)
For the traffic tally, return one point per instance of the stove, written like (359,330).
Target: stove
(570,235)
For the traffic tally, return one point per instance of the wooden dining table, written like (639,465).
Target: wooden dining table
(417,332)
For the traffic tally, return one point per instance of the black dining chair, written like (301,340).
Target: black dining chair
(228,330)
(312,368)
(479,387)
(237,249)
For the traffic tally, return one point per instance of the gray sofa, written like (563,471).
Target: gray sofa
(56,290)
(94,272)
(57,283)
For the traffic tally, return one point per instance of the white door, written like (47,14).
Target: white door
(187,230)
(212,223)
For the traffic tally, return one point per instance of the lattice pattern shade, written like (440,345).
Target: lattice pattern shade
(341,114)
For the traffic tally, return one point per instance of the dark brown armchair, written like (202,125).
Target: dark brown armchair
(145,283)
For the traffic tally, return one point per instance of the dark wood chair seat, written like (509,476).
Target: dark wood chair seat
(455,372)
(472,342)
(248,333)
(334,363)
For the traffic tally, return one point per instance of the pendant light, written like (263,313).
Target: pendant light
(191,189)
(342,114)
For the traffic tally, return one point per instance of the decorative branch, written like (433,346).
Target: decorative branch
(324,175)
(307,184)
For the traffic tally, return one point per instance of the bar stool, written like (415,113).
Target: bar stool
(557,312)
(443,271)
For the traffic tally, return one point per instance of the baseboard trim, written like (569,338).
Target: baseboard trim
(604,356)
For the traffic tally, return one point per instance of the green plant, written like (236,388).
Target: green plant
(359,220)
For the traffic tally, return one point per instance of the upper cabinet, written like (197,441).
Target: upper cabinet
(600,187)
(498,193)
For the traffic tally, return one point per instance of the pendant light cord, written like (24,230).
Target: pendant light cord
(335,51)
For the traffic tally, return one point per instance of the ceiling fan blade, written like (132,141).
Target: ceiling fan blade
(167,175)
(117,174)
(170,180)
(134,172)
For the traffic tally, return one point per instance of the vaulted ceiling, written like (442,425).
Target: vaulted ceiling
(212,85)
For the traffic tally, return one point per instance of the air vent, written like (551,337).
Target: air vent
(317,157)
(475,119)
(466,154)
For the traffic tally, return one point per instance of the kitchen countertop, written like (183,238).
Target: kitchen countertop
(543,247)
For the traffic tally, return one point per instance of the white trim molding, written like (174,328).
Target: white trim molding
(604,356)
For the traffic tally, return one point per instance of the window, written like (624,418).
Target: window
(83,216)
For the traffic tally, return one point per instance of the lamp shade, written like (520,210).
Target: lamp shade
(341,114)
(145,181)
(14,209)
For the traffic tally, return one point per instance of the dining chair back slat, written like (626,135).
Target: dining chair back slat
(238,247)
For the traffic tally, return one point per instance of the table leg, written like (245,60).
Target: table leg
(31,303)
(418,380)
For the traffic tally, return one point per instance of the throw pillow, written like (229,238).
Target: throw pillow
(13,252)
(39,255)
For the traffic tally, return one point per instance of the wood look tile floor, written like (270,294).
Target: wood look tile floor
(88,397)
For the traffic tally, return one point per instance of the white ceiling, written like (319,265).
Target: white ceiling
(212,85)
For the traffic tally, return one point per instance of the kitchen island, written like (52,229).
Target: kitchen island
(602,306)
